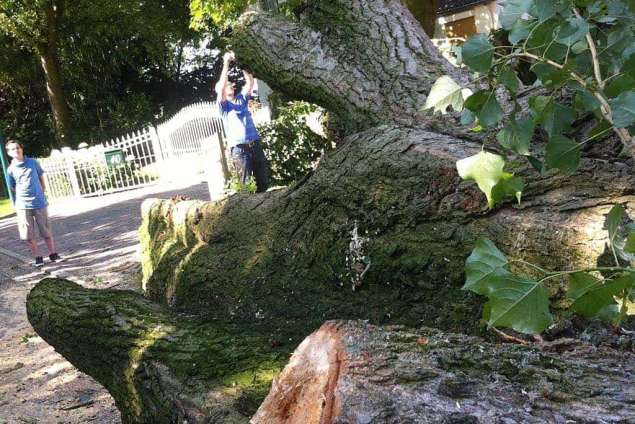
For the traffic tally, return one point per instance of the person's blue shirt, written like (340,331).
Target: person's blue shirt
(24,178)
(241,130)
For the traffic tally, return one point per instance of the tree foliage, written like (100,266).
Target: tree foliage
(124,64)
(582,53)
(583,56)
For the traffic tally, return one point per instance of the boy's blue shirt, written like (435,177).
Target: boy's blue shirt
(24,178)
(240,105)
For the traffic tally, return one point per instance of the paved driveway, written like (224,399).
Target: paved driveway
(96,234)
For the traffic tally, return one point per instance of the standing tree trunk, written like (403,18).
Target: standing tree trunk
(47,51)
(425,11)
(380,231)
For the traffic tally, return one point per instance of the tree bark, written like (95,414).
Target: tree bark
(353,372)
(47,52)
(380,231)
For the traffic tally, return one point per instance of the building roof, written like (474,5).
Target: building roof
(452,6)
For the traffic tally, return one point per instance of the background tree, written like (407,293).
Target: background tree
(36,24)
(124,64)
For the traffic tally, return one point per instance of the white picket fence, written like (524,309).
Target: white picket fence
(190,145)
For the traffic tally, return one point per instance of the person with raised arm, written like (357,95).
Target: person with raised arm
(243,138)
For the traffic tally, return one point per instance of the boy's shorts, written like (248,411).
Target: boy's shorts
(29,218)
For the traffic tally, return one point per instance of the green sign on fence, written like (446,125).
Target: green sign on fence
(115,157)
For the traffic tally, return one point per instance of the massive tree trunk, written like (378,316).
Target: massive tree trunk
(47,52)
(353,372)
(379,231)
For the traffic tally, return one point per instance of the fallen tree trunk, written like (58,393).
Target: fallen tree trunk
(380,231)
(354,372)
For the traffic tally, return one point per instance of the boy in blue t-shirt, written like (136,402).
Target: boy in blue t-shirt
(27,183)
(242,136)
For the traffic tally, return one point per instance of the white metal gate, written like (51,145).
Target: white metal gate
(190,145)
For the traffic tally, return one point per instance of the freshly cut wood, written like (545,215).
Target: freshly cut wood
(355,372)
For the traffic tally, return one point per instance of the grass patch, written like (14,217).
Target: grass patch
(6,208)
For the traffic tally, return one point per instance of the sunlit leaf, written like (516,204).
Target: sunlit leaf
(513,10)
(486,169)
(446,93)
(612,222)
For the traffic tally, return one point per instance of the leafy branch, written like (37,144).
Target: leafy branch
(521,302)
(584,47)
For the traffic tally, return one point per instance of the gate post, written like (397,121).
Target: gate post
(70,168)
(5,165)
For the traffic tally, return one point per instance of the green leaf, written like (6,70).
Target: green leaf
(467,117)
(594,299)
(603,128)
(513,10)
(572,31)
(485,106)
(486,169)
(550,76)
(446,93)
(508,186)
(535,163)
(554,117)
(519,303)
(586,102)
(516,136)
(545,9)
(629,246)
(619,85)
(520,30)
(509,79)
(623,107)
(612,222)
(477,53)
(484,267)
(629,66)
(562,153)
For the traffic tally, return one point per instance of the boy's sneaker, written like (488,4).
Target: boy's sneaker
(54,257)
(39,261)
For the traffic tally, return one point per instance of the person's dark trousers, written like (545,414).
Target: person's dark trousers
(249,160)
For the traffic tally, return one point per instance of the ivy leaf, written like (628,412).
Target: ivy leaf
(467,117)
(586,102)
(477,53)
(550,76)
(623,108)
(513,11)
(572,31)
(535,163)
(516,136)
(593,299)
(508,186)
(486,169)
(620,85)
(545,9)
(554,117)
(520,30)
(519,303)
(509,79)
(562,153)
(612,222)
(484,104)
(629,246)
(484,267)
(446,93)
